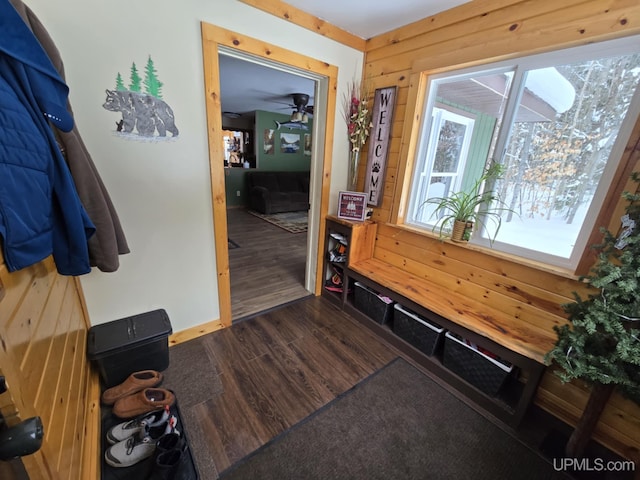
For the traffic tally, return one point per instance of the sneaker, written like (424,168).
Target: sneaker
(140,446)
(130,451)
(124,430)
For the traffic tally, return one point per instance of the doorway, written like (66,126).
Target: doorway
(266,228)
(215,41)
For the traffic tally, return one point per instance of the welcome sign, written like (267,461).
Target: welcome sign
(384,103)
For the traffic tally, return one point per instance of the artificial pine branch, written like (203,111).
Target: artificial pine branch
(601,345)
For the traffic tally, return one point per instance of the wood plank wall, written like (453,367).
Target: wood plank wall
(468,34)
(43,331)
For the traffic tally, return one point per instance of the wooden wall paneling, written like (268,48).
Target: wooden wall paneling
(488,261)
(460,23)
(34,361)
(480,10)
(23,323)
(620,422)
(521,292)
(567,27)
(74,404)
(43,329)
(51,373)
(537,318)
(473,34)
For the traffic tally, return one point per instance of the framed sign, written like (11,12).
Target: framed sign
(383,105)
(352,206)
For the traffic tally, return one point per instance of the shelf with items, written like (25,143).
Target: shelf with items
(340,235)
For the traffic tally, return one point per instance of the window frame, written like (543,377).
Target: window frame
(611,184)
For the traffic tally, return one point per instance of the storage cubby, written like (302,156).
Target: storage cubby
(339,237)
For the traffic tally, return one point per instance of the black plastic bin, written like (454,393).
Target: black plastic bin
(375,306)
(121,347)
(426,336)
(486,373)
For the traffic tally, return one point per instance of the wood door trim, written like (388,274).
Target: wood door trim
(214,37)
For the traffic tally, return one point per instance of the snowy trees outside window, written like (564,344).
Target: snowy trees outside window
(557,122)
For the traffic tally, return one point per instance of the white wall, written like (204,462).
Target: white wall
(162,190)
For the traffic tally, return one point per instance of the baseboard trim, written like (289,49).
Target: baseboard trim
(195,332)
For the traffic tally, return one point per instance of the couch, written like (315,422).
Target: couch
(274,192)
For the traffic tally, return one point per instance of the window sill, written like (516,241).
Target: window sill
(544,267)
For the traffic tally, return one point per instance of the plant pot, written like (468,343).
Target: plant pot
(461,231)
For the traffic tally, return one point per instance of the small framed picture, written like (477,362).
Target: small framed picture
(352,206)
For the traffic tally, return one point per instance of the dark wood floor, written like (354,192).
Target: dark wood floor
(267,269)
(242,386)
(276,369)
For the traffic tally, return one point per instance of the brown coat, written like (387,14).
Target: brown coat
(109,240)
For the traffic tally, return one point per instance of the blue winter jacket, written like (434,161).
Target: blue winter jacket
(40,212)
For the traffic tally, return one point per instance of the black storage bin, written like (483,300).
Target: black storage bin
(486,373)
(419,332)
(373,305)
(121,347)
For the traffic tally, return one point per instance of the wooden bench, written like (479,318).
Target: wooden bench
(514,340)
(510,332)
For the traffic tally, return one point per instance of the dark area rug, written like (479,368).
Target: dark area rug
(292,222)
(396,424)
(192,377)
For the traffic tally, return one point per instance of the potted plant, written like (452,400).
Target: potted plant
(460,211)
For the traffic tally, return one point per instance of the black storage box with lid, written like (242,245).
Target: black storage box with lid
(484,372)
(423,334)
(121,347)
(375,306)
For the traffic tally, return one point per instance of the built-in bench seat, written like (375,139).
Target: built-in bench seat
(517,337)
(507,330)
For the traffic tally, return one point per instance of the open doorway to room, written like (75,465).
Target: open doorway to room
(267,121)
(218,44)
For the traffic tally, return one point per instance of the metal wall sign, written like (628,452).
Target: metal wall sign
(383,106)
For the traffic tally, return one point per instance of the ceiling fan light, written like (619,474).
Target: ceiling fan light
(305,118)
(296,117)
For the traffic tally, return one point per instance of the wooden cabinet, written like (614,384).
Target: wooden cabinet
(340,238)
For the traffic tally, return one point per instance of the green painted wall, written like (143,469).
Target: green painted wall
(234,181)
(274,158)
(291,160)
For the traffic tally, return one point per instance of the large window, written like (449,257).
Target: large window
(558,124)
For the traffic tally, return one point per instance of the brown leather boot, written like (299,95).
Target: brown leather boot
(134,383)
(147,400)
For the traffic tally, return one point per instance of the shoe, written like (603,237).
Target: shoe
(138,425)
(130,451)
(170,441)
(140,445)
(134,383)
(145,401)
(167,465)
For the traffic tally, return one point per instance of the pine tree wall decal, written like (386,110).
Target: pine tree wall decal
(602,343)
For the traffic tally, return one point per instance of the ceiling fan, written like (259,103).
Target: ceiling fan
(301,107)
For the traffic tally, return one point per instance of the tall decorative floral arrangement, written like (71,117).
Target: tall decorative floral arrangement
(358,118)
